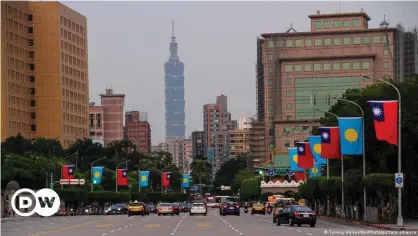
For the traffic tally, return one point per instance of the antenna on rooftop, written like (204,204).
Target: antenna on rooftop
(291,28)
(384,23)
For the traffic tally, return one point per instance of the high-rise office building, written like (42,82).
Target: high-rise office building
(96,122)
(174,94)
(44,72)
(113,115)
(138,131)
(215,117)
(198,143)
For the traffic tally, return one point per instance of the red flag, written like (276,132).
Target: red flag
(166,176)
(67,172)
(385,116)
(305,157)
(300,176)
(122,177)
(330,142)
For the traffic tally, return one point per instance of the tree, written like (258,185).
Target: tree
(201,170)
(250,188)
(239,177)
(47,147)
(229,169)
(17,145)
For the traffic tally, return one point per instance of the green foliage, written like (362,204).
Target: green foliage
(201,170)
(241,176)
(226,174)
(250,187)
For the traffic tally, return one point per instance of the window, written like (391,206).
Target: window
(305,129)
(299,43)
(337,24)
(32,91)
(356,40)
(356,65)
(286,143)
(356,23)
(32,78)
(289,43)
(288,106)
(33,127)
(385,38)
(317,67)
(298,68)
(346,23)
(31,67)
(337,41)
(296,130)
(327,66)
(347,41)
(308,42)
(327,24)
(32,103)
(288,81)
(318,42)
(270,94)
(365,65)
(386,52)
(280,43)
(270,44)
(270,69)
(288,68)
(318,24)
(286,130)
(308,67)
(327,42)
(33,115)
(346,66)
(376,39)
(336,66)
(270,81)
(386,65)
(30,30)
(270,107)
(288,117)
(30,17)
(365,79)
(31,54)
(30,41)
(366,40)
(270,57)
(288,93)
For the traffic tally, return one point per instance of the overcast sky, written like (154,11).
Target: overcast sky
(129,44)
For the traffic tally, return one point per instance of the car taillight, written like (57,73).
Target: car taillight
(237,206)
(297,214)
(224,206)
(170,208)
(313,214)
(160,209)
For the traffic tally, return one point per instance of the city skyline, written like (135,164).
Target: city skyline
(207,48)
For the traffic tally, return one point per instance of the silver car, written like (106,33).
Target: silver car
(165,209)
(198,208)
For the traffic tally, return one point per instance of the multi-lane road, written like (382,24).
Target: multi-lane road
(183,225)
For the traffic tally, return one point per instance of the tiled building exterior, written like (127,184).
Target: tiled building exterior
(138,131)
(96,122)
(113,115)
(305,67)
(44,71)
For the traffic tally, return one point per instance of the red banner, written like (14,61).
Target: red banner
(67,172)
(122,177)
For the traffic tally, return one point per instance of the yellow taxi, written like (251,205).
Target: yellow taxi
(136,208)
(258,208)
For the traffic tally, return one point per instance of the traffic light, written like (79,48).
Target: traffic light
(260,172)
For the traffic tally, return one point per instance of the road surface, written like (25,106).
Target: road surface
(183,225)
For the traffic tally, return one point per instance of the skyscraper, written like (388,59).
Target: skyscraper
(174,94)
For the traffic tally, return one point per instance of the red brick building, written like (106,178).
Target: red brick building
(138,131)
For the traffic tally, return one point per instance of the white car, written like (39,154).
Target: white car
(198,208)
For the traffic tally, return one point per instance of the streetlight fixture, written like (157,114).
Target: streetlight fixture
(116,170)
(400,219)
(342,169)
(62,163)
(91,169)
(364,152)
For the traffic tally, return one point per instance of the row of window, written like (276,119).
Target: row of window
(73,37)
(74,72)
(330,41)
(73,61)
(75,130)
(21,114)
(17,39)
(73,48)
(74,96)
(18,64)
(18,14)
(73,84)
(21,126)
(19,77)
(19,27)
(18,89)
(20,101)
(72,25)
(69,106)
(336,24)
(79,120)
(17,51)
(287,130)
(356,65)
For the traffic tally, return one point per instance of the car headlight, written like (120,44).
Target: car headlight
(118,209)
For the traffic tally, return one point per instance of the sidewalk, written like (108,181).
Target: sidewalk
(409,225)
(11,219)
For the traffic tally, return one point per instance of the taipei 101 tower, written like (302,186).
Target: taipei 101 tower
(174,94)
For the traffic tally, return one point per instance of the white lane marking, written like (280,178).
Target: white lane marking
(120,229)
(29,227)
(298,230)
(42,225)
(178,224)
(130,224)
(126,226)
(103,234)
(112,231)
(308,233)
(16,229)
(134,222)
(289,228)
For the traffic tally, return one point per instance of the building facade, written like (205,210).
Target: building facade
(138,131)
(198,143)
(96,123)
(215,117)
(256,142)
(237,142)
(175,147)
(30,71)
(302,69)
(174,94)
(113,115)
(187,155)
(221,147)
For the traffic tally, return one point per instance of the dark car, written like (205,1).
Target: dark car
(152,209)
(117,209)
(231,208)
(299,215)
(183,207)
(176,209)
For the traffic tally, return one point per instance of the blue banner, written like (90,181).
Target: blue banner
(143,178)
(293,160)
(315,144)
(316,171)
(97,173)
(186,181)
(351,135)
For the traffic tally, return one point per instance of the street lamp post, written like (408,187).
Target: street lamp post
(400,219)
(364,153)
(161,173)
(342,170)
(65,158)
(116,171)
(91,169)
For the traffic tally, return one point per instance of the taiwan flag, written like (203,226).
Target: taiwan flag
(305,158)
(385,116)
(330,142)
(122,177)
(166,176)
(67,172)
